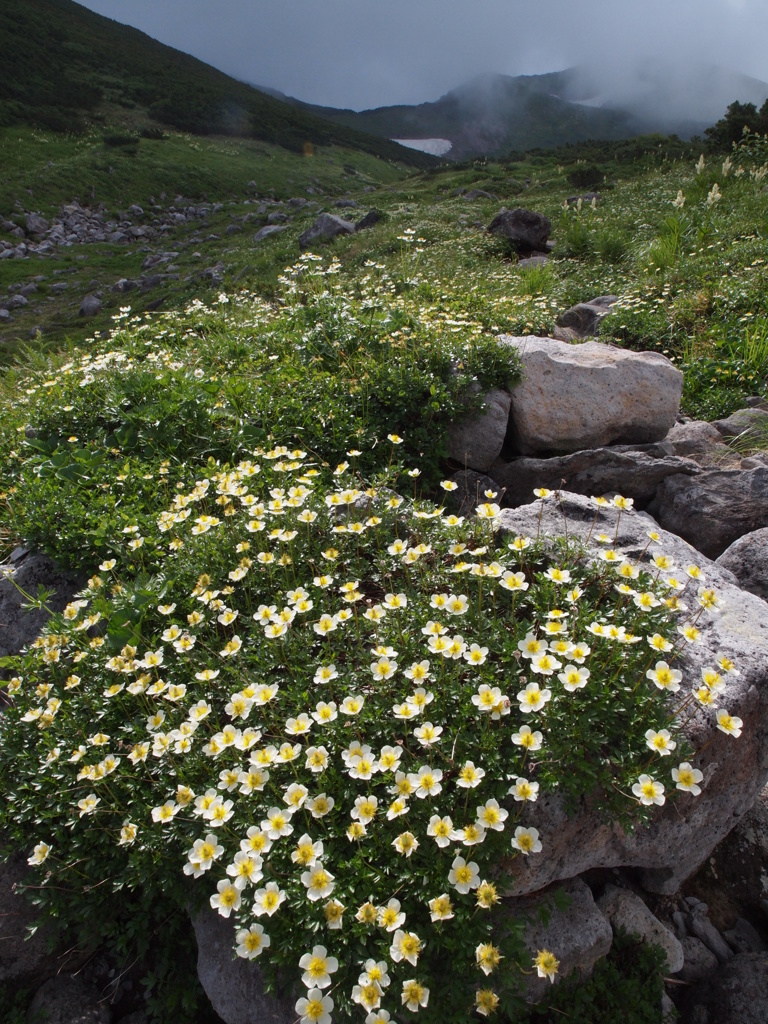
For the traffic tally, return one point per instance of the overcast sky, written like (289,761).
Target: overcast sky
(367,53)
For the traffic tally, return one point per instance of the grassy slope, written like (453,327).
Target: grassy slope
(83,61)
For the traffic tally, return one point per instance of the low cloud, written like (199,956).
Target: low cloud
(361,53)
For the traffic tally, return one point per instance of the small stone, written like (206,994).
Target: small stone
(626,911)
(700,926)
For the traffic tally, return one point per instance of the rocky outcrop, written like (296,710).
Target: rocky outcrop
(589,395)
(682,834)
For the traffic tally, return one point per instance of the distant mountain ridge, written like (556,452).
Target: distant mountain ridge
(62,64)
(492,114)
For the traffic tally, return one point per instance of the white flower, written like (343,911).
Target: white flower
(526,840)
(318,968)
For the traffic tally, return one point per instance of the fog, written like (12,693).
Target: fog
(367,53)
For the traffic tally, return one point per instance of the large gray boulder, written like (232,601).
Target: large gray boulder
(525,229)
(682,833)
(715,508)
(326,227)
(233,985)
(589,395)
(635,474)
(747,559)
(477,441)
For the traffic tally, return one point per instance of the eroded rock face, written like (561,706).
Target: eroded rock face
(715,508)
(590,395)
(683,833)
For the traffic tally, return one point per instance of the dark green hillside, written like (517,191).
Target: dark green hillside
(63,65)
(494,114)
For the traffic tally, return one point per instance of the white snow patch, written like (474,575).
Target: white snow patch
(437,147)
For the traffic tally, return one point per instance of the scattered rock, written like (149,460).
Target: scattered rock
(346,204)
(683,833)
(17,302)
(232,984)
(585,317)
(693,437)
(268,230)
(326,227)
(277,218)
(746,424)
(699,961)
(525,229)
(28,289)
(747,559)
(479,193)
(714,508)
(627,911)
(90,305)
(589,395)
(35,224)
(478,441)
(635,474)
(297,202)
(125,285)
(744,938)
(580,934)
(533,261)
(369,220)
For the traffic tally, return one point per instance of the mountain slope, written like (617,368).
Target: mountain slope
(495,114)
(61,62)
